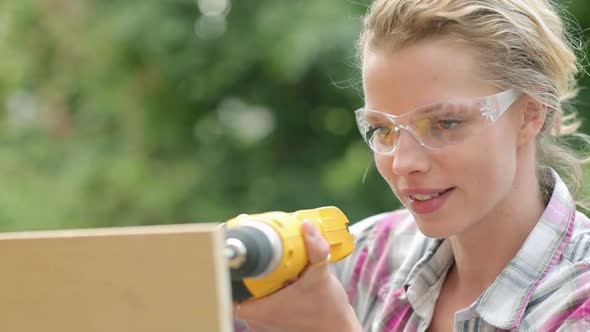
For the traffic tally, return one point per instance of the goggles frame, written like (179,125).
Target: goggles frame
(492,108)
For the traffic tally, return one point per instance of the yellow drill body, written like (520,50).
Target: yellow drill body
(330,221)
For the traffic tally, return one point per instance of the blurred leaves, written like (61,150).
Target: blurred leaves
(150,112)
(140,112)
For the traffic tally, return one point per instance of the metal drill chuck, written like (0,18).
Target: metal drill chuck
(235,252)
(252,250)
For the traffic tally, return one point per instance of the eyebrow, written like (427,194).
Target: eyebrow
(371,116)
(449,107)
(430,108)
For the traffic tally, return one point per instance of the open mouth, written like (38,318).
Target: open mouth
(429,203)
(422,198)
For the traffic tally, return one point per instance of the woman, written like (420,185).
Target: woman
(462,98)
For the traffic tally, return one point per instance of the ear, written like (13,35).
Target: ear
(532,118)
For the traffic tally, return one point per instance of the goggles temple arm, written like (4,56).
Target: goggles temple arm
(506,99)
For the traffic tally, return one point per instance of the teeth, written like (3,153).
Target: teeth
(419,197)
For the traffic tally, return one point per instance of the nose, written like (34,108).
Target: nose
(410,156)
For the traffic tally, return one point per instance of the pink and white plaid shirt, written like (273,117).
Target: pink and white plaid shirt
(395,273)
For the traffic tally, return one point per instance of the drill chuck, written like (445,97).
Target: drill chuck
(235,252)
(253,250)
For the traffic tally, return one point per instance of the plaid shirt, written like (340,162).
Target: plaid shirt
(395,274)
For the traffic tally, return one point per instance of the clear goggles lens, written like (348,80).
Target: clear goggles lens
(435,125)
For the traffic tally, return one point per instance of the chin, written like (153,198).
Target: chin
(434,228)
(435,234)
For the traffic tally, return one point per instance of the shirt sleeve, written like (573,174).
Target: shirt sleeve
(568,308)
(344,269)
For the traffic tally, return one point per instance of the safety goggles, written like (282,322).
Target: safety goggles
(435,125)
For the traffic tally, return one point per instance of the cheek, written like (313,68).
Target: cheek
(487,166)
(383,164)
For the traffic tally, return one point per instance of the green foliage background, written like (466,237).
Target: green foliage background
(150,112)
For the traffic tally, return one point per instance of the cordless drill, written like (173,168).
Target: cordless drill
(265,251)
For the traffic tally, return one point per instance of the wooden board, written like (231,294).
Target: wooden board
(151,278)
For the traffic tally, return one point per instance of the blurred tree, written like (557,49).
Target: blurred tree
(145,112)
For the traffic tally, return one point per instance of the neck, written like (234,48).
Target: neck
(485,249)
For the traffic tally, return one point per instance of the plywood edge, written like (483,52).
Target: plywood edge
(113,231)
(223,288)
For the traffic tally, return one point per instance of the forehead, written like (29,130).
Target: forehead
(422,73)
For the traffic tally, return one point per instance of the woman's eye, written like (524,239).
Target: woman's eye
(447,124)
(379,130)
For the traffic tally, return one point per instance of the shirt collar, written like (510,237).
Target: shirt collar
(503,303)
(424,278)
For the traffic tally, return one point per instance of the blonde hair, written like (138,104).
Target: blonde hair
(524,45)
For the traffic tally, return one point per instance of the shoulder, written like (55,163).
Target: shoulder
(387,246)
(376,235)
(562,300)
(382,243)
(578,247)
(383,226)
(562,303)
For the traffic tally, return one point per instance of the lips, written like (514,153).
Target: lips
(425,201)
(425,197)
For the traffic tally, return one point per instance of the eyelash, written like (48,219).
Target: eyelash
(454,122)
(373,129)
